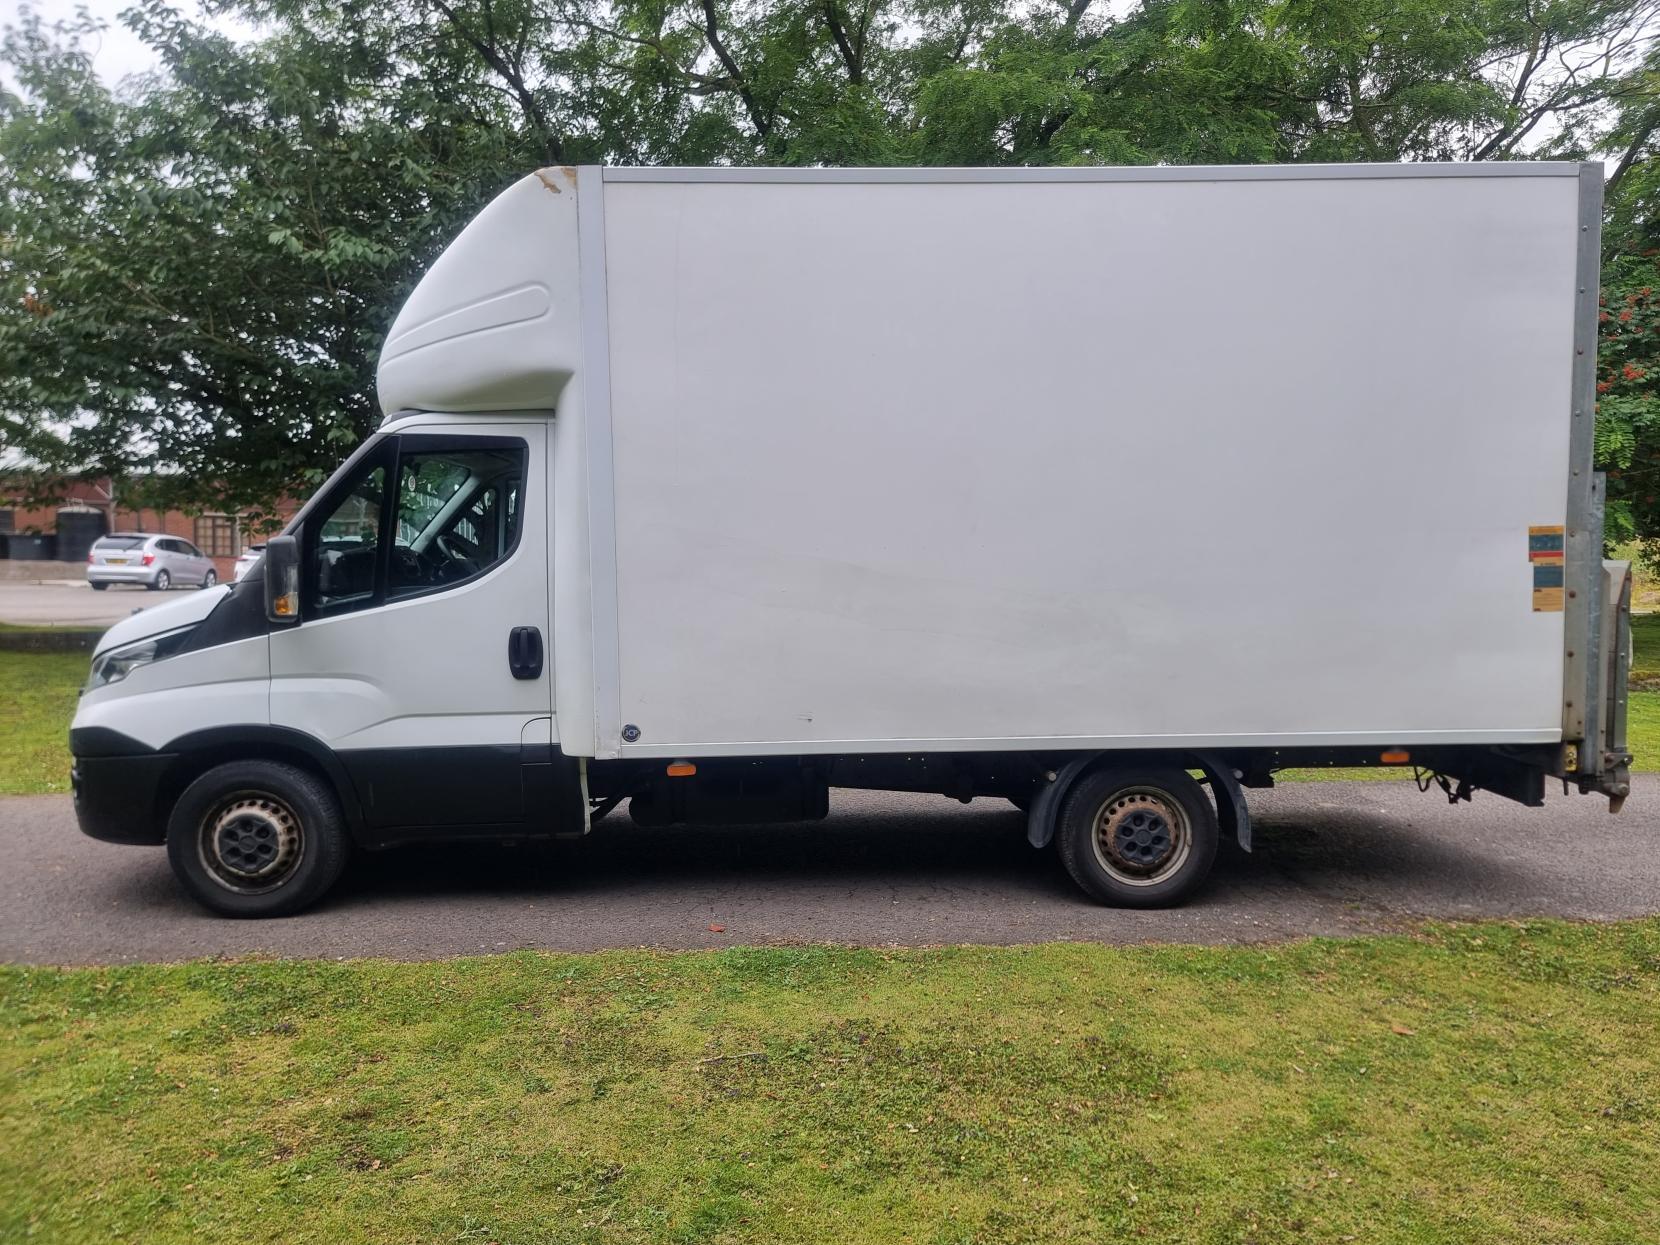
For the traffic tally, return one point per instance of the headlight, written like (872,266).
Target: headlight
(118,663)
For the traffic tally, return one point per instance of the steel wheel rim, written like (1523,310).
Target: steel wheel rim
(1141,836)
(250,842)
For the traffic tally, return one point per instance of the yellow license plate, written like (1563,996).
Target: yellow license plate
(115,561)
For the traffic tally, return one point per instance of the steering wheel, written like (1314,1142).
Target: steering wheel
(456,566)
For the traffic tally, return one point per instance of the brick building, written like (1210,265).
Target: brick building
(219,536)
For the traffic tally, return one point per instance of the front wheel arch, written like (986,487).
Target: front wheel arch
(200,751)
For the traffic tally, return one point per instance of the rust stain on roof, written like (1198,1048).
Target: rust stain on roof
(542,175)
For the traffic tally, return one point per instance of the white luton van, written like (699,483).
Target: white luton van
(1104,491)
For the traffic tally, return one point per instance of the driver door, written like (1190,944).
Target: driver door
(416,568)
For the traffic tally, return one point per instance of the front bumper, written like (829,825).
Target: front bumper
(117,798)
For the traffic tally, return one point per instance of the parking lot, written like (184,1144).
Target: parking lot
(72,602)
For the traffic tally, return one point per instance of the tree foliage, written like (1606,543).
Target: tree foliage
(1628,358)
(196,268)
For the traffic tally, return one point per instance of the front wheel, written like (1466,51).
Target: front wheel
(257,838)
(1137,838)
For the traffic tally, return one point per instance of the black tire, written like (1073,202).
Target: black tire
(209,580)
(1152,850)
(99,587)
(162,582)
(257,838)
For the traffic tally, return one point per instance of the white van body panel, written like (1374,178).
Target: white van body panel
(483,328)
(227,685)
(570,587)
(429,671)
(1087,463)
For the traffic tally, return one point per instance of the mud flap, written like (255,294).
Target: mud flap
(1046,805)
(1232,815)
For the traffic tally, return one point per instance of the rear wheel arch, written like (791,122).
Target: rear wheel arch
(1226,795)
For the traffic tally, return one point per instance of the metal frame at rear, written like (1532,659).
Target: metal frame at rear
(1582,549)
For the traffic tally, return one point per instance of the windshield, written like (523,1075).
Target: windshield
(121,542)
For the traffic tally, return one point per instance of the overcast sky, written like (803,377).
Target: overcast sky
(117,52)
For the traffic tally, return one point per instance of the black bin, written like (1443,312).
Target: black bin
(79,528)
(31,547)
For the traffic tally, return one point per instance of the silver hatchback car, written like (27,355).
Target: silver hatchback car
(157,562)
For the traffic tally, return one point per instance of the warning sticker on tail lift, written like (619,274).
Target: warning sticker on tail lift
(1544,551)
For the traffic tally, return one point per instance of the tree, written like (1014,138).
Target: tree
(196,272)
(196,277)
(1628,357)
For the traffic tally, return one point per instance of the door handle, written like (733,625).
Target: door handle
(524,652)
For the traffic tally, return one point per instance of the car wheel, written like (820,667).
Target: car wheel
(257,838)
(1137,838)
(162,582)
(209,580)
(99,587)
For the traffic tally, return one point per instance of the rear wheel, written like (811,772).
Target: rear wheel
(257,838)
(97,587)
(1137,838)
(209,580)
(162,582)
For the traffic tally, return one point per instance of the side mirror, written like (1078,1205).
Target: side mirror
(282,580)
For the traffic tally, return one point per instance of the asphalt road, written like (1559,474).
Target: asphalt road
(72,603)
(1332,858)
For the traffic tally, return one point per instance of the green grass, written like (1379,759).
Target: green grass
(37,698)
(1492,1083)
(1645,645)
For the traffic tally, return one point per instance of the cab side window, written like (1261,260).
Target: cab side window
(457,514)
(420,514)
(342,561)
